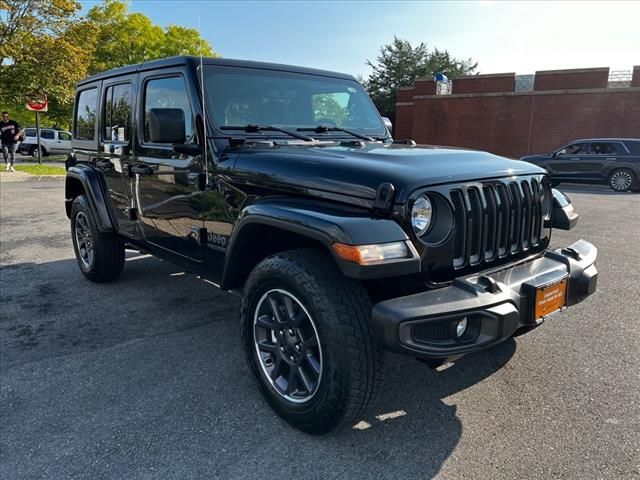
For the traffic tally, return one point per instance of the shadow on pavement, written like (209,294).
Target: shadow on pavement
(145,377)
(593,189)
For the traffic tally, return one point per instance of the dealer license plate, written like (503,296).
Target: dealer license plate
(550,299)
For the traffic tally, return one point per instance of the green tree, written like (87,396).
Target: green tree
(326,107)
(128,38)
(399,64)
(45,49)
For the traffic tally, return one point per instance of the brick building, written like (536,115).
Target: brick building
(498,114)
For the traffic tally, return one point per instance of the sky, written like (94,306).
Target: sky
(501,36)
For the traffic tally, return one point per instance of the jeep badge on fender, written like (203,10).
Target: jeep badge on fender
(284,184)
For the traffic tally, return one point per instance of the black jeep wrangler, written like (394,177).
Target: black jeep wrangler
(285,185)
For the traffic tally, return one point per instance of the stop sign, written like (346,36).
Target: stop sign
(39,104)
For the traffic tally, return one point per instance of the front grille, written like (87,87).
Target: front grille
(493,220)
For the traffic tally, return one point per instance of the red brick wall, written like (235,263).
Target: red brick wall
(501,82)
(424,87)
(635,82)
(515,124)
(572,79)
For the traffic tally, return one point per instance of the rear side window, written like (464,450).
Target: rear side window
(47,134)
(604,148)
(117,113)
(85,121)
(167,93)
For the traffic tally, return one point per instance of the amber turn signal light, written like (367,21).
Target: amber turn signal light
(368,254)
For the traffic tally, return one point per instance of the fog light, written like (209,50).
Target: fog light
(461,327)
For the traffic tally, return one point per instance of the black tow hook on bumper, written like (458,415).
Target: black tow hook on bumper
(479,311)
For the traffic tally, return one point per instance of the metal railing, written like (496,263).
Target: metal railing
(620,79)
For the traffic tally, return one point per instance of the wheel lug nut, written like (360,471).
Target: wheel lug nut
(297,347)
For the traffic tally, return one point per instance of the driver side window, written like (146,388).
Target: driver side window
(574,149)
(170,92)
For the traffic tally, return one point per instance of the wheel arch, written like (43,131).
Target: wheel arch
(271,227)
(83,180)
(632,167)
(256,240)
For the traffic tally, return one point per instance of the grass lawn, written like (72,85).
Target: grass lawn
(39,169)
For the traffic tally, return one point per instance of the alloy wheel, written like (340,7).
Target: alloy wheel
(84,240)
(621,181)
(287,346)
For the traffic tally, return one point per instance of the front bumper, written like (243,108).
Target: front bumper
(496,304)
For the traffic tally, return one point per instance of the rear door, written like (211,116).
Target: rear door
(114,147)
(165,182)
(600,158)
(85,136)
(48,140)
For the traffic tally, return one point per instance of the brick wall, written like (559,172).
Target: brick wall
(485,113)
(635,82)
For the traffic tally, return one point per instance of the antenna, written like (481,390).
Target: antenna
(204,110)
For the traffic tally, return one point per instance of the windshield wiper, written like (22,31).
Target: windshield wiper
(325,129)
(264,128)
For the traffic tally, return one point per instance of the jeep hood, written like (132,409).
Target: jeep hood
(359,171)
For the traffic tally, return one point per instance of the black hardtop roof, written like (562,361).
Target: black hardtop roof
(192,62)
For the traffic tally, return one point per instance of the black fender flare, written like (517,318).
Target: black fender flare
(93,188)
(325,226)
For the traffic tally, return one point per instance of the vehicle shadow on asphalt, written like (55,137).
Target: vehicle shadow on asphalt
(151,368)
(413,407)
(591,189)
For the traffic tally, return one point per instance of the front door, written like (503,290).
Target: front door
(566,163)
(165,183)
(64,142)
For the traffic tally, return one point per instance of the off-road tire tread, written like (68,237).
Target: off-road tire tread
(315,270)
(109,249)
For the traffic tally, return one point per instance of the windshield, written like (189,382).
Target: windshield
(248,96)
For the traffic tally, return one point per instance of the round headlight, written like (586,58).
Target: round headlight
(421,214)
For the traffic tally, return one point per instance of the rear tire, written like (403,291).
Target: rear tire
(622,180)
(34,151)
(100,255)
(289,298)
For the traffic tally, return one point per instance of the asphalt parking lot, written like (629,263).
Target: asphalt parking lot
(144,378)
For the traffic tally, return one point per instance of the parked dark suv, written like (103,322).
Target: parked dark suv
(283,184)
(613,161)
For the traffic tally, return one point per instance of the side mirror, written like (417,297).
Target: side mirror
(564,217)
(166,125)
(554,155)
(388,124)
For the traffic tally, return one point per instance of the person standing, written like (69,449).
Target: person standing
(10,131)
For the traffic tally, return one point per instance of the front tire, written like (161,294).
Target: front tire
(100,255)
(308,340)
(622,180)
